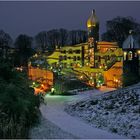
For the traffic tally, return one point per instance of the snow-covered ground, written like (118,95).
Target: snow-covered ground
(48,130)
(71,126)
(116,111)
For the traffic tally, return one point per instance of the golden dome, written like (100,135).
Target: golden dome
(92,21)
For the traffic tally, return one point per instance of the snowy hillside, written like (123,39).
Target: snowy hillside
(116,111)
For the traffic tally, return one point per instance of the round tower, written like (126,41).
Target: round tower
(93,37)
(93,27)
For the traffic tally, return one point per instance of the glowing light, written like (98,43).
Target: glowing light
(100,67)
(52,89)
(81,77)
(125,53)
(139,52)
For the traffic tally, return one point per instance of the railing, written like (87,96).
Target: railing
(112,62)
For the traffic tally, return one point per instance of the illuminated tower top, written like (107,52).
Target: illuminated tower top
(92,20)
(93,26)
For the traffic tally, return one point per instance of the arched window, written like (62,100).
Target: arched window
(130,55)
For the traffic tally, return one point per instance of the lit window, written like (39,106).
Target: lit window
(130,55)
(125,53)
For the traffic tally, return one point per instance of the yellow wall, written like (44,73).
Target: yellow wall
(113,77)
(109,49)
(36,73)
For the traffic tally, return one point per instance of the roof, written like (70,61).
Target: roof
(105,44)
(131,42)
(92,20)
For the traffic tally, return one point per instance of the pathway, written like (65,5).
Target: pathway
(54,112)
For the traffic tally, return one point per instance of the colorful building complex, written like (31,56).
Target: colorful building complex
(92,58)
(102,62)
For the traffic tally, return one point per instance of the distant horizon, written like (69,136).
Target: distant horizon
(32,17)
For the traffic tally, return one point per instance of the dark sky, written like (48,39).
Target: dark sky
(32,17)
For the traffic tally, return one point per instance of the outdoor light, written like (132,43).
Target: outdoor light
(81,77)
(100,67)
(125,53)
(139,52)
(91,78)
(52,89)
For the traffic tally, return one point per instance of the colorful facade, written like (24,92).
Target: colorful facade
(92,58)
(101,62)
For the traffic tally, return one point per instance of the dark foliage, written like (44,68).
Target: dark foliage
(118,29)
(18,105)
(24,50)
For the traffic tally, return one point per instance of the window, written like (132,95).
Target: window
(70,51)
(78,58)
(60,57)
(63,51)
(135,54)
(130,55)
(65,65)
(65,57)
(77,51)
(74,58)
(124,55)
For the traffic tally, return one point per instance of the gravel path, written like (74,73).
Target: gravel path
(47,130)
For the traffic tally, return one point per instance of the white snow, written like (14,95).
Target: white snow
(47,130)
(54,112)
(116,111)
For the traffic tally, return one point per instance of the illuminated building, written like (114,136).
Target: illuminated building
(42,76)
(131,52)
(92,58)
(101,61)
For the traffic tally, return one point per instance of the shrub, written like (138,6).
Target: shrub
(18,105)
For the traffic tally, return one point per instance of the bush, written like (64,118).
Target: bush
(130,79)
(63,86)
(18,105)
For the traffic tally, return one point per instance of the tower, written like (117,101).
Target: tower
(93,36)
(93,27)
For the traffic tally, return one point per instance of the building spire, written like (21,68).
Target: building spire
(93,11)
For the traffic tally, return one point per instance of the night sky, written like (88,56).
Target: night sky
(32,17)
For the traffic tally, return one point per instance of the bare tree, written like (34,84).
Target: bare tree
(53,39)
(5,43)
(63,36)
(23,44)
(118,29)
(41,40)
(72,37)
(77,36)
